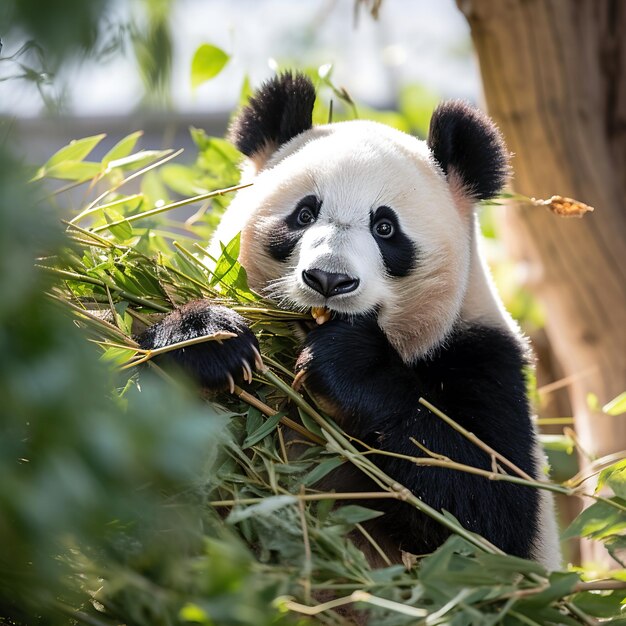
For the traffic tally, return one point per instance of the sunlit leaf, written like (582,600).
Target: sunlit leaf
(123,147)
(208,61)
(122,230)
(617,406)
(76,150)
(615,477)
(598,521)
(137,160)
(73,170)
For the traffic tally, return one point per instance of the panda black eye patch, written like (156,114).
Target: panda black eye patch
(287,233)
(398,251)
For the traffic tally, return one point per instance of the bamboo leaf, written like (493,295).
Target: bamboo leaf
(76,150)
(73,170)
(321,470)
(598,521)
(617,406)
(615,477)
(122,148)
(353,514)
(269,505)
(268,427)
(208,61)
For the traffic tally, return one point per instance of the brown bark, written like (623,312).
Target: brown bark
(554,74)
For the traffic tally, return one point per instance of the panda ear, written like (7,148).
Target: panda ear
(470,150)
(278,111)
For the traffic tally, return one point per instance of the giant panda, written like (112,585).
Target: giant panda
(378,230)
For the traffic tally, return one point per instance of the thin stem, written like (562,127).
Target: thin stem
(149,354)
(168,157)
(100,283)
(599,585)
(169,207)
(356,596)
(475,440)
(94,318)
(314,497)
(307,567)
(270,412)
(108,205)
(374,544)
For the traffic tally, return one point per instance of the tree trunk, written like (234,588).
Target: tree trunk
(554,74)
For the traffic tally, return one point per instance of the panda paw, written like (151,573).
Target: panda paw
(216,364)
(338,356)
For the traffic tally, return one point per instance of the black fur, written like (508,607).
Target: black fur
(286,234)
(280,109)
(477,379)
(398,252)
(465,141)
(210,362)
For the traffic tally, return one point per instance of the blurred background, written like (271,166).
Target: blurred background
(137,74)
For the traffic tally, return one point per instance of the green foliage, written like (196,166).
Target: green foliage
(208,61)
(178,510)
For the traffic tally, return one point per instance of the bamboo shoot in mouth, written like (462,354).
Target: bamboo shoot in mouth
(320,314)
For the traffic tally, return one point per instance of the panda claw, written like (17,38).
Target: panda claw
(247,371)
(298,381)
(231,383)
(258,359)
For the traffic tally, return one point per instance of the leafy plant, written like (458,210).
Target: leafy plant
(136,502)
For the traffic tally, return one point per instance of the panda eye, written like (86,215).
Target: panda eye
(383,229)
(305,216)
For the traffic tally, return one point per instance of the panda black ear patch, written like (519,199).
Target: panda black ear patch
(469,146)
(278,111)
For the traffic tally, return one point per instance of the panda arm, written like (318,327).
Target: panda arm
(213,364)
(478,380)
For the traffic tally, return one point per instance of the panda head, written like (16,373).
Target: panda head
(361,218)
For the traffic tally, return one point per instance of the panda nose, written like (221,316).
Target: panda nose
(329,284)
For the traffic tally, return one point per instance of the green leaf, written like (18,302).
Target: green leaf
(123,147)
(507,564)
(268,427)
(617,406)
(321,469)
(617,548)
(138,160)
(230,273)
(122,231)
(117,356)
(615,477)
(598,521)
(308,422)
(269,505)
(592,402)
(182,179)
(600,604)
(72,170)
(76,150)
(208,61)
(557,443)
(561,584)
(353,514)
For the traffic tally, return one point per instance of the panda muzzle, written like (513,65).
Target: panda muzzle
(329,284)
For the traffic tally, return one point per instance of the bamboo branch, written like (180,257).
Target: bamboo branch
(475,440)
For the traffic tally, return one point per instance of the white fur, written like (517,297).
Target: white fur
(355,167)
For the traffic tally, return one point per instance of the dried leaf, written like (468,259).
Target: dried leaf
(564,207)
